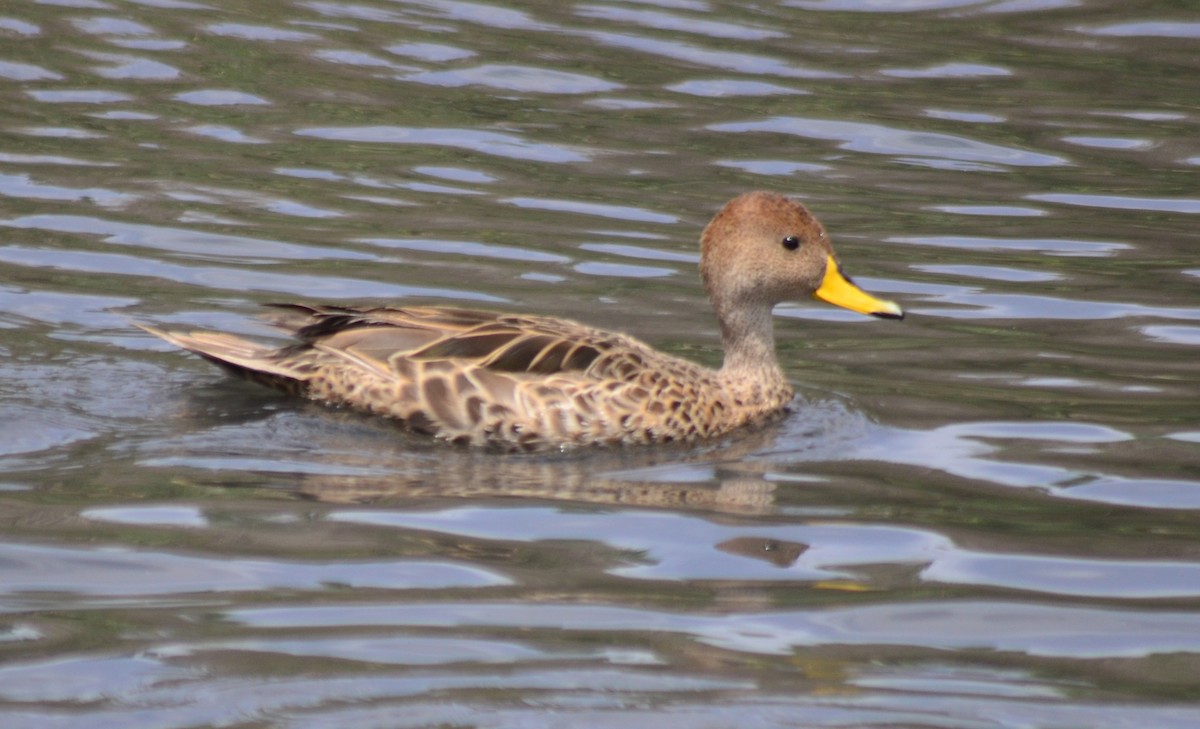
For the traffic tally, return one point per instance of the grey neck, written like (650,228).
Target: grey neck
(748,334)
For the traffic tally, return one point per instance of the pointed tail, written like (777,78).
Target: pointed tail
(241,357)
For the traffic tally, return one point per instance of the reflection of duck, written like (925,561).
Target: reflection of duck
(529,382)
(778,553)
(365,464)
(747,495)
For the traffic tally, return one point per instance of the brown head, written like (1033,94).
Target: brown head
(763,248)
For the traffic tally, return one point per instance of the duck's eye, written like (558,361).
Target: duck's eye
(791,242)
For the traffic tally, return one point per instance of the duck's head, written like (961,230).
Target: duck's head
(763,248)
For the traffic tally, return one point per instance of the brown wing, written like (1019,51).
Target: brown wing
(378,337)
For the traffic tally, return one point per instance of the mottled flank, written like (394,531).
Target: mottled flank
(529,382)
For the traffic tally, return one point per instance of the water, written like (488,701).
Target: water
(983,516)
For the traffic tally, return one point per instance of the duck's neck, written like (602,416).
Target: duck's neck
(751,371)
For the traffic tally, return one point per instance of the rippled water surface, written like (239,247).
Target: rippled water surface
(983,516)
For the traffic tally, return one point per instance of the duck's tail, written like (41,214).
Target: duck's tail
(241,357)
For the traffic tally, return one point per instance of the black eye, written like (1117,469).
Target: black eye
(791,242)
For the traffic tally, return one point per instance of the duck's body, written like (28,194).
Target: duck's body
(528,382)
(483,377)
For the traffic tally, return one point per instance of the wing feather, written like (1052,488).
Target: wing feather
(377,337)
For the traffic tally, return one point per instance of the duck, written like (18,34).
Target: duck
(521,382)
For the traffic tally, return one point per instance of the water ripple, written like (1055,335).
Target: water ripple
(27,72)
(85,679)
(468,248)
(878,139)
(60,308)
(747,63)
(1124,579)
(154,701)
(993,273)
(241,280)
(717,88)
(258,32)
(491,16)
(23,186)
(79,96)
(621,212)
(224,133)
(1030,306)
(1059,246)
(484,142)
(29,430)
(1154,29)
(883,6)
(397,650)
(667,21)
(124,572)
(176,516)
(195,244)
(102,25)
(509,77)
(430,52)
(948,70)
(50,159)
(670,542)
(133,67)
(220,97)
(20,27)
(1121,202)
(1031,628)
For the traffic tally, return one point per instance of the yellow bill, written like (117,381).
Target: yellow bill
(838,290)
